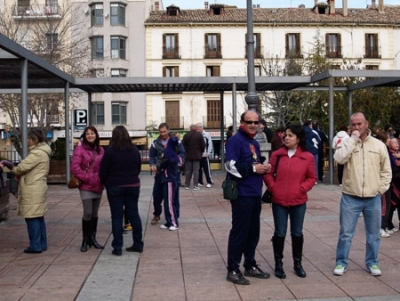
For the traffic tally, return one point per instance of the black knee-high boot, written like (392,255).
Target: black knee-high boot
(92,241)
(297,249)
(86,226)
(278,244)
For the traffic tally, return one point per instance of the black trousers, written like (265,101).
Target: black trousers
(205,165)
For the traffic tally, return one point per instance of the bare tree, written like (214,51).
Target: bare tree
(51,33)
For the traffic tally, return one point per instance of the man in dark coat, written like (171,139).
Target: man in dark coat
(194,145)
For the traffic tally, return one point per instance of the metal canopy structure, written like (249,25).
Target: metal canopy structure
(21,71)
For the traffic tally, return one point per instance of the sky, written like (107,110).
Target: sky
(199,4)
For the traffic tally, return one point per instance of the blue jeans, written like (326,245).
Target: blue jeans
(37,233)
(296,215)
(350,209)
(245,232)
(118,198)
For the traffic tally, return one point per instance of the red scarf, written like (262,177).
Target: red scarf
(248,134)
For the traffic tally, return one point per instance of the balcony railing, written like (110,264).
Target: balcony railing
(171,53)
(210,122)
(213,52)
(334,54)
(36,10)
(371,53)
(258,52)
(175,123)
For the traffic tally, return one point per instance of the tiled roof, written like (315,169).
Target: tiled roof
(391,16)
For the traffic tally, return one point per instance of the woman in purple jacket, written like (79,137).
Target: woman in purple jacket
(293,175)
(86,166)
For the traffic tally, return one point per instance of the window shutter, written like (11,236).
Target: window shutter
(298,44)
(376,45)
(339,37)
(176,71)
(206,42)
(366,46)
(327,49)
(176,45)
(216,71)
(219,48)
(287,44)
(245,45)
(164,47)
(164,71)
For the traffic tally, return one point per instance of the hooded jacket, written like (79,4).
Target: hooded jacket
(367,170)
(32,188)
(340,137)
(295,176)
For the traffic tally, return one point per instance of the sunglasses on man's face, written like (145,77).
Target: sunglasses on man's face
(249,122)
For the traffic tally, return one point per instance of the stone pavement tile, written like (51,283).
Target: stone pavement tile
(172,276)
(205,275)
(12,293)
(316,290)
(200,257)
(156,292)
(227,292)
(68,270)
(261,290)
(50,294)
(367,288)
(60,282)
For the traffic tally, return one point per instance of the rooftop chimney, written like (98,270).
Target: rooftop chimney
(373,4)
(157,5)
(331,7)
(206,5)
(344,5)
(315,6)
(380,7)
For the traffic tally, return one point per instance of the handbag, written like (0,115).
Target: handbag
(229,187)
(267,195)
(74,183)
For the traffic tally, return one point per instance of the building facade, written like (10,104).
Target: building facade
(212,42)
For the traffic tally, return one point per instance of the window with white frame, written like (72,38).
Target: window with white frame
(98,113)
(118,112)
(118,73)
(118,47)
(97,48)
(117,13)
(97,14)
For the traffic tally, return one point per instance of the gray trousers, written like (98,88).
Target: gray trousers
(192,169)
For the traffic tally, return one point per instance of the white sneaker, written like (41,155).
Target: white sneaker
(208,185)
(339,270)
(172,228)
(200,185)
(163,227)
(390,231)
(374,270)
(187,188)
(395,229)
(195,188)
(384,233)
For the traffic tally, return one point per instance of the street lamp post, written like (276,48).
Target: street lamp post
(251,98)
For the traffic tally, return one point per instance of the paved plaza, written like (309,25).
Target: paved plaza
(188,264)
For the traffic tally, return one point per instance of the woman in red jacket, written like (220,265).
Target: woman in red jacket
(292,176)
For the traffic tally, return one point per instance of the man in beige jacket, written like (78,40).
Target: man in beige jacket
(367,175)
